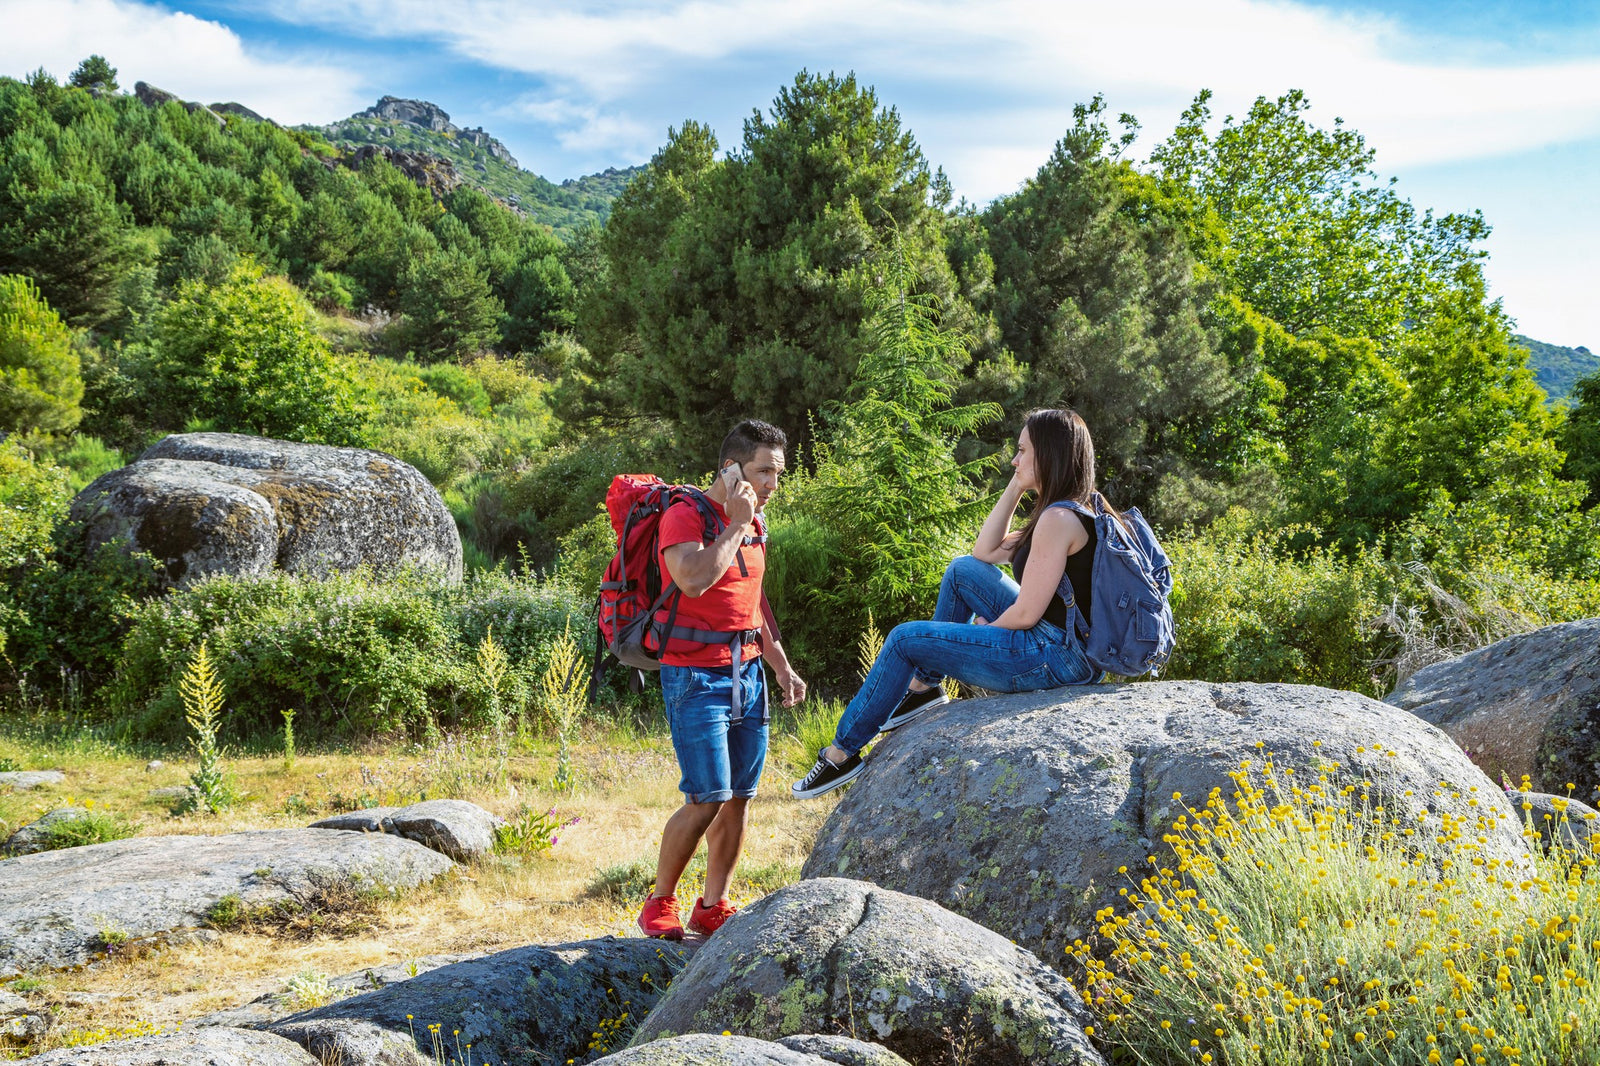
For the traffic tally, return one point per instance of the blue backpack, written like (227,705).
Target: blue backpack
(1131,631)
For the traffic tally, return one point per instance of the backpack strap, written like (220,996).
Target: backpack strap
(735,639)
(1064,589)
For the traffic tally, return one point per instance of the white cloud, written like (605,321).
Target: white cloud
(194,58)
(1031,60)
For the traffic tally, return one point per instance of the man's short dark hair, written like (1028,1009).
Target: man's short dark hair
(742,441)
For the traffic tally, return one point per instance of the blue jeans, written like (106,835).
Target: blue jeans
(1001,660)
(719,758)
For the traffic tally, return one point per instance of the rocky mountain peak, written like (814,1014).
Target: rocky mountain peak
(412,112)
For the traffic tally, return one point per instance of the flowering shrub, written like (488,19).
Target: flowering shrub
(1299,924)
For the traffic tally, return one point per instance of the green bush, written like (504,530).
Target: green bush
(41,380)
(454,383)
(246,356)
(1249,609)
(353,655)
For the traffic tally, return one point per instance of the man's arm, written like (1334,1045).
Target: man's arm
(693,567)
(794,689)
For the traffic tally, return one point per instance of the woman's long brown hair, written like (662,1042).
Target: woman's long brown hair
(1063,459)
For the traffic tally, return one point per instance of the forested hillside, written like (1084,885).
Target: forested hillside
(1294,371)
(1558,369)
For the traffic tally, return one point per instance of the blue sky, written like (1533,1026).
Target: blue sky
(1488,104)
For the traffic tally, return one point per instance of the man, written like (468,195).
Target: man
(719,728)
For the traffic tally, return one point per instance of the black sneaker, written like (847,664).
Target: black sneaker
(913,704)
(825,776)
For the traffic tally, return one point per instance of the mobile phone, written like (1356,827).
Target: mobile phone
(732,474)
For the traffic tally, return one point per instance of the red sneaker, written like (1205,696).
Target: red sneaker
(660,918)
(708,920)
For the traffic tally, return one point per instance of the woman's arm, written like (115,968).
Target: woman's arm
(992,545)
(1058,535)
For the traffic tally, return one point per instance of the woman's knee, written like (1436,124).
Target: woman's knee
(964,566)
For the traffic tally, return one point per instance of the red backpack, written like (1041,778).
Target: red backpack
(638,610)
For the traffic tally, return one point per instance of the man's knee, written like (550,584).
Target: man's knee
(704,812)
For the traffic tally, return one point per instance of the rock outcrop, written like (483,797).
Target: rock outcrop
(463,831)
(1560,822)
(64,908)
(31,838)
(22,780)
(1529,704)
(1021,811)
(150,96)
(232,108)
(434,173)
(428,116)
(526,1005)
(204,1047)
(222,503)
(835,955)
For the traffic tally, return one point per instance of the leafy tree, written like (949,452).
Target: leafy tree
(449,311)
(60,225)
(41,382)
(889,504)
(1296,221)
(1097,293)
(739,286)
(246,356)
(1580,436)
(94,71)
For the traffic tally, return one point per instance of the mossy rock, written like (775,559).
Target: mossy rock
(840,956)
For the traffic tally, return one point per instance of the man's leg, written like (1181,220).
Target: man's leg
(724,843)
(680,838)
(697,714)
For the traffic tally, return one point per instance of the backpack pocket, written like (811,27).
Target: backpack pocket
(1147,622)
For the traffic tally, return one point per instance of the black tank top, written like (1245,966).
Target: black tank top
(1080,569)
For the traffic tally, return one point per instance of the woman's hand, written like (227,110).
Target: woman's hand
(996,540)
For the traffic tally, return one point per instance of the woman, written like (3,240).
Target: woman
(988,630)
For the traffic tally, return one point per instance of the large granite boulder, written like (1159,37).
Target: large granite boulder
(835,955)
(203,1047)
(64,908)
(700,1049)
(210,503)
(1529,704)
(1021,811)
(1559,822)
(521,1007)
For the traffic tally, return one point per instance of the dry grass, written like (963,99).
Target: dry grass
(627,787)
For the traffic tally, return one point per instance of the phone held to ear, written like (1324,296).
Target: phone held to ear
(732,474)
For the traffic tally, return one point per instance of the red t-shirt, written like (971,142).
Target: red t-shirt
(733,603)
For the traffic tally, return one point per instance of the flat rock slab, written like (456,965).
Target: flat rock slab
(1529,704)
(366,820)
(464,831)
(262,1011)
(523,1007)
(701,1049)
(834,955)
(1021,811)
(56,907)
(22,780)
(205,1047)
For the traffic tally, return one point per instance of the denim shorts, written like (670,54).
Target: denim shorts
(720,758)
